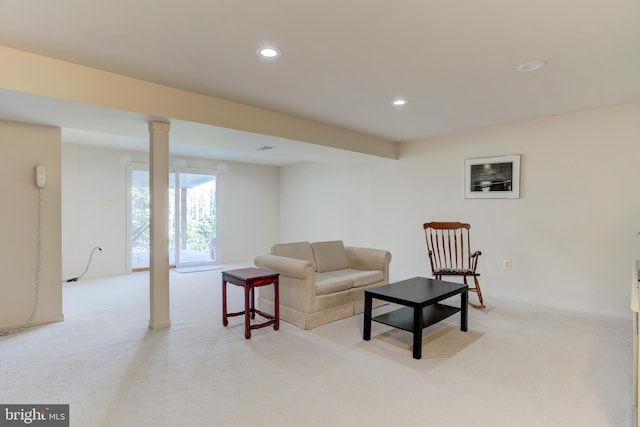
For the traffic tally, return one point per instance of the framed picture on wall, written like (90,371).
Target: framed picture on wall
(492,178)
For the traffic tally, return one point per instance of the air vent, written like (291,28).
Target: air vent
(266,148)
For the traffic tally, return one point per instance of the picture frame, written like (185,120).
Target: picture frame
(492,177)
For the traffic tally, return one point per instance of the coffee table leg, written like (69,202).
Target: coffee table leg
(464,310)
(417,333)
(366,334)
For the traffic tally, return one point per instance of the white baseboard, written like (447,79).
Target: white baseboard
(36,322)
(555,306)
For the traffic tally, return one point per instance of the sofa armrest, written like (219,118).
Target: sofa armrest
(297,281)
(291,267)
(369,259)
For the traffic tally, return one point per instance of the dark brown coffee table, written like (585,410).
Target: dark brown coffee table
(421,297)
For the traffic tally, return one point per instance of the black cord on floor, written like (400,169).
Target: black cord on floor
(75,279)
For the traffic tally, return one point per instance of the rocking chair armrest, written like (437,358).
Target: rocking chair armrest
(474,259)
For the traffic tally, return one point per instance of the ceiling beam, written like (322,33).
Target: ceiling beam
(39,75)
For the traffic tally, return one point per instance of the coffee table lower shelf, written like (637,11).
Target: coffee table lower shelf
(402,318)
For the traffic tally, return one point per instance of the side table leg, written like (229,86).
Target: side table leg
(276,299)
(366,328)
(247,311)
(253,303)
(417,332)
(225,322)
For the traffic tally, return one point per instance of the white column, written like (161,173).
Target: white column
(159,257)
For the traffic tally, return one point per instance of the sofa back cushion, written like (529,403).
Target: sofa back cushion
(330,256)
(297,250)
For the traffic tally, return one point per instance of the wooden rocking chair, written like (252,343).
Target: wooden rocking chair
(450,254)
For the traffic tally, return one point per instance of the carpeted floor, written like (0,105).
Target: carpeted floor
(197,268)
(517,366)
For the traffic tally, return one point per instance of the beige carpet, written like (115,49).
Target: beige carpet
(517,366)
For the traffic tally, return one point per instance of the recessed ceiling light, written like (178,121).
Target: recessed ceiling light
(269,52)
(531,66)
(399,102)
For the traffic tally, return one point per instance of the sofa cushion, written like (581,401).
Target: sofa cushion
(330,256)
(361,277)
(328,284)
(297,250)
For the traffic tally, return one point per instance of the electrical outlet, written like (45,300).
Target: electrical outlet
(506,264)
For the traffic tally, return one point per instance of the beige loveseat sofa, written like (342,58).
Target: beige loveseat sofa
(323,281)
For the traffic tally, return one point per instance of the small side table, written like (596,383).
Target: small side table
(249,279)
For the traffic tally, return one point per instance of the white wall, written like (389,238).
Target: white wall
(249,203)
(22,147)
(571,235)
(94,202)
(94,192)
(325,202)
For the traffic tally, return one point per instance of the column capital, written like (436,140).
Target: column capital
(159,127)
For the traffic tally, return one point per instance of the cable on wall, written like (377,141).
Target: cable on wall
(36,299)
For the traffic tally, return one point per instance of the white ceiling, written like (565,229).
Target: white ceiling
(342,63)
